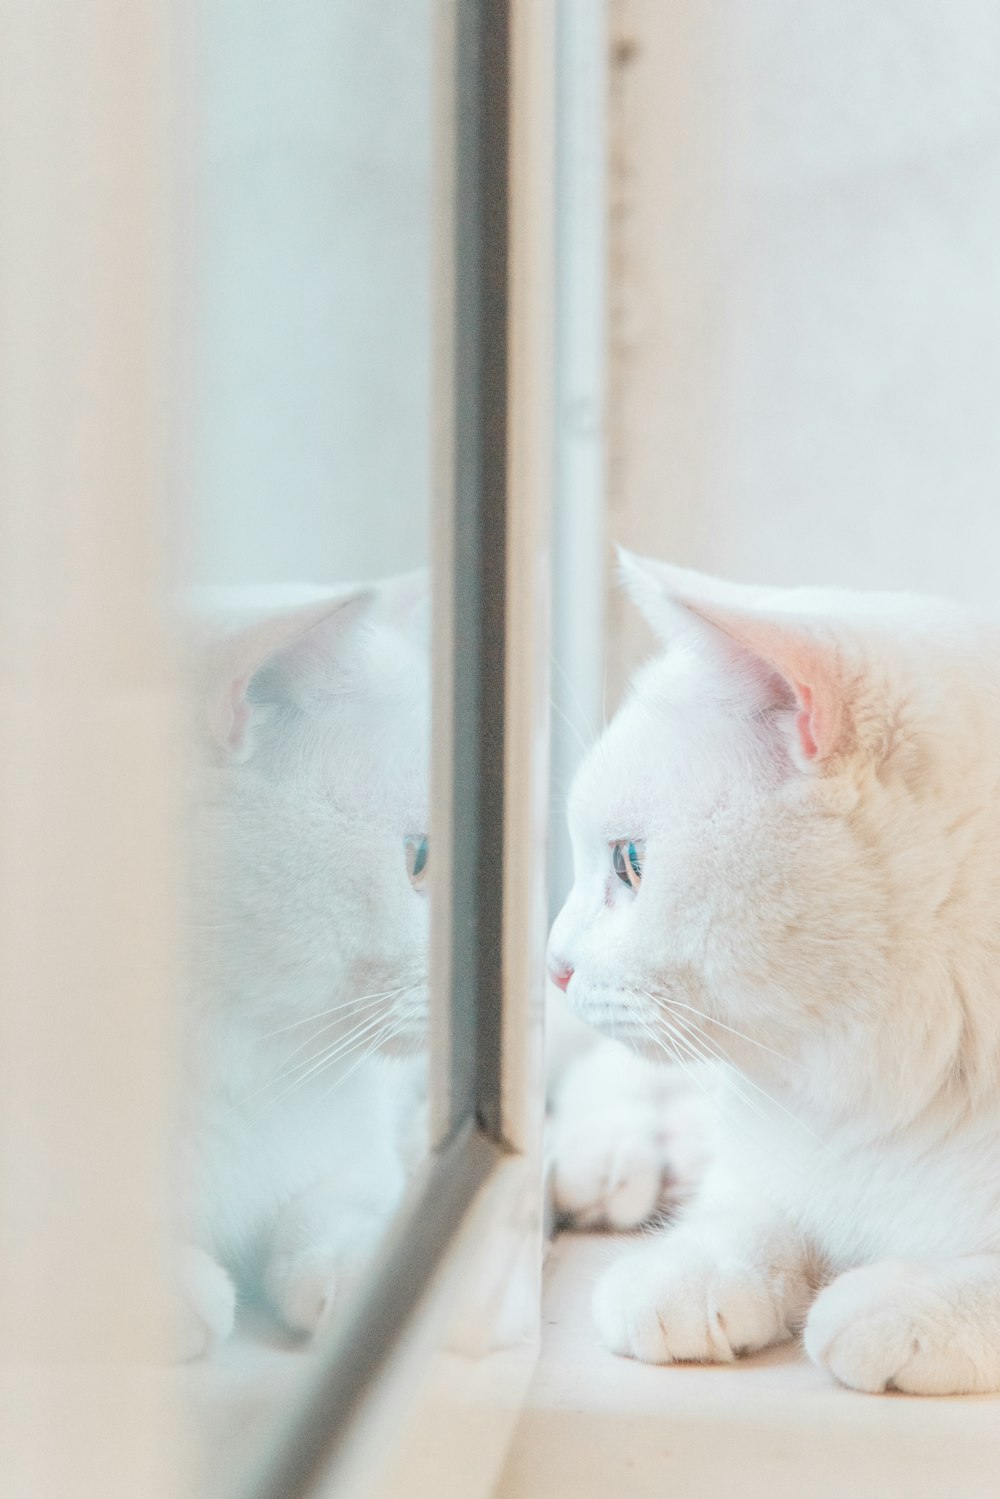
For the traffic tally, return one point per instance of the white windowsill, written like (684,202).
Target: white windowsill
(597,1426)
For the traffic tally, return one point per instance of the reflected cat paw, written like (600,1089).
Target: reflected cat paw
(303,1285)
(304,1296)
(321,1248)
(207,1308)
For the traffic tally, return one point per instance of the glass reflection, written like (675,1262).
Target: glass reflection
(305,623)
(310,881)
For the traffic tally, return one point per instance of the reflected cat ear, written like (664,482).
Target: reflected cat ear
(790,652)
(404,602)
(289,657)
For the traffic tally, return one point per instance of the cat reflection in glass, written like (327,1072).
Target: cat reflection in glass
(309,917)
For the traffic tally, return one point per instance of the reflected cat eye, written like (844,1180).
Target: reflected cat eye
(627,860)
(418,849)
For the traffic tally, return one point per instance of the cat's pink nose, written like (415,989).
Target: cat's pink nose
(560,976)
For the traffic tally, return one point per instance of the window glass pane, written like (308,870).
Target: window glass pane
(305,614)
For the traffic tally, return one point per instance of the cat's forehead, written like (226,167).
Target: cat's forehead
(376,781)
(363,741)
(668,748)
(385,699)
(396,668)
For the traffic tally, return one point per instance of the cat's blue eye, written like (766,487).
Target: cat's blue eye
(627,860)
(418,848)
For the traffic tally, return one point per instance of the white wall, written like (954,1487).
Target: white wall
(805,335)
(309,289)
(578,533)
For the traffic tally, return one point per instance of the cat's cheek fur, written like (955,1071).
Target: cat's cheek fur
(919,1329)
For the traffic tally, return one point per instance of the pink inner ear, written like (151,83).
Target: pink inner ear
(804,723)
(804,665)
(810,673)
(819,722)
(291,639)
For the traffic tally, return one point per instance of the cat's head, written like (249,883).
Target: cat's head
(311,851)
(791,829)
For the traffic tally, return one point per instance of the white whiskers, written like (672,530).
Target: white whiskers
(676,1004)
(584,715)
(569,724)
(368,1034)
(344,1005)
(699,1046)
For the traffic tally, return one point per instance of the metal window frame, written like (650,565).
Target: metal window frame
(470,758)
(478,586)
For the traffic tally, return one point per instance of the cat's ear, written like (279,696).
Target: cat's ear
(288,657)
(792,650)
(404,602)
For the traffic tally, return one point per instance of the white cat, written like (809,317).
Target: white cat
(308,907)
(787,849)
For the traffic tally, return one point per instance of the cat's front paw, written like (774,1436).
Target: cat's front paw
(207,1307)
(890,1326)
(608,1171)
(672,1303)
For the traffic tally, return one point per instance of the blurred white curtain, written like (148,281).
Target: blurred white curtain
(86,882)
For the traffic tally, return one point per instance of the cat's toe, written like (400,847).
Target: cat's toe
(303,1292)
(207,1307)
(886,1327)
(605,1177)
(665,1307)
(307,1299)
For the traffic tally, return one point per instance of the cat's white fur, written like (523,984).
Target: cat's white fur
(626,1137)
(816,778)
(308,957)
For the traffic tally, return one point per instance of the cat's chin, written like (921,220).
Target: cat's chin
(640,1042)
(617,1025)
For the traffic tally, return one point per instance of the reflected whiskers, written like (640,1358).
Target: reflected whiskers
(344,1005)
(584,715)
(393,1026)
(338,1049)
(569,724)
(342,1047)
